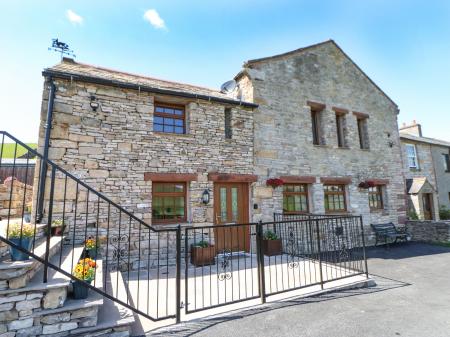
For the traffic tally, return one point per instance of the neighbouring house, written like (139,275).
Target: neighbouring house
(326,129)
(427,172)
(177,153)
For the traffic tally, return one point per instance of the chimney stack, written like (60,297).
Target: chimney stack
(414,129)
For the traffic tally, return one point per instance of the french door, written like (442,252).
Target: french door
(231,207)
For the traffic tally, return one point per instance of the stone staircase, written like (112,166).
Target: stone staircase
(29,307)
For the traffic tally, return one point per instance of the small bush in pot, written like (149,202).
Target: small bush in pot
(22,236)
(203,253)
(84,271)
(271,244)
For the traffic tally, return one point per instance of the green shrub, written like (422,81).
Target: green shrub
(444,213)
(412,215)
(202,244)
(269,235)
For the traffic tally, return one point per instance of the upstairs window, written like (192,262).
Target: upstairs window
(375,198)
(169,119)
(411,154)
(446,159)
(335,198)
(340,120)
(316,117)
(228,129)
(295,198)
(363,133)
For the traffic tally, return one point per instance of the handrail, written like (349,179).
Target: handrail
(100,195)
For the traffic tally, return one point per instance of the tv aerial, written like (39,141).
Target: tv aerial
(62,48)
(228,87)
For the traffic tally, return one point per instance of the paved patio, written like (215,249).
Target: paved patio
(210,286)
(411,298)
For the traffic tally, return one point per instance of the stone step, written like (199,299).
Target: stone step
(113,319)
(55,279)
(47,309)
(16,274)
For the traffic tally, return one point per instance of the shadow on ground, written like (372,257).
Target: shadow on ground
(195,326)
(404,250)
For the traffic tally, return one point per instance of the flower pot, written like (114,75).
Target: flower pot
(92,253)
(16,254)
(203,256)
(57,231)
(79,290)
(27,217)
(272,247)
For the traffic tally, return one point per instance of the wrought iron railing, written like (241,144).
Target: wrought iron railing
(124,245)
(164,269)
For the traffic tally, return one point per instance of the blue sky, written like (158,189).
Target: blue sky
(404,46)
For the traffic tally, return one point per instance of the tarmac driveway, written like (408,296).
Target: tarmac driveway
(412,298)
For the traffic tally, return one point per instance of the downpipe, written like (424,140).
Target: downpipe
(44,166)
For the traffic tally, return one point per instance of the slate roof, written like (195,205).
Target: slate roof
(69,67)
(424,139)
(415,185)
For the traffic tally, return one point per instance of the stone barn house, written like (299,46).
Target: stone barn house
(175,153)
(427,172)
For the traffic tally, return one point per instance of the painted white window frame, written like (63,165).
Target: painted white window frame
(411,153)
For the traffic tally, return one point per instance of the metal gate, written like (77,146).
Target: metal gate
(291,253)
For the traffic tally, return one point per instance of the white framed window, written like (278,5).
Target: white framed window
(446,159)
(412,156)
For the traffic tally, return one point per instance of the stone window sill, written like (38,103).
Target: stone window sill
(321,146)
(169,134)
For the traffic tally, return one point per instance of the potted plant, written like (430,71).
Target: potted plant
(274,182)
(365,185)
(22,236)
(57,227)
(84,271)
(91,248)
(271,244)
(202,253)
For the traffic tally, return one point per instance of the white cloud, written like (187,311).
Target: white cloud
(155,20)
(74,17)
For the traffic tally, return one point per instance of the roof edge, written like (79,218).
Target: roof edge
(425,140)
(250,62)
(99,80)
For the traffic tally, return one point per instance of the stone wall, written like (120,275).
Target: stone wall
(442,176)
(112,148)
(429,231)
(282,86)
(12,196)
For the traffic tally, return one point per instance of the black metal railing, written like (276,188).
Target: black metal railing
(127,251)
(240,262)
(156,271)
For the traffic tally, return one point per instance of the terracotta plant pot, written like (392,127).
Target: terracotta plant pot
(203,256)
(80,291)
(57,231)
(272,247)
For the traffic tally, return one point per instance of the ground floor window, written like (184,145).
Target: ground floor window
(168,202)
(335,198)
(376,197)
(295,198)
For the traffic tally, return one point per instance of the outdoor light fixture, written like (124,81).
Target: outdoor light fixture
(94,103)
(205,197)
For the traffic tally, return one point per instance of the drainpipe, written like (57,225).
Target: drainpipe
(43,169)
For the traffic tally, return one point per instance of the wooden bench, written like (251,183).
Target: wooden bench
(387,231)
